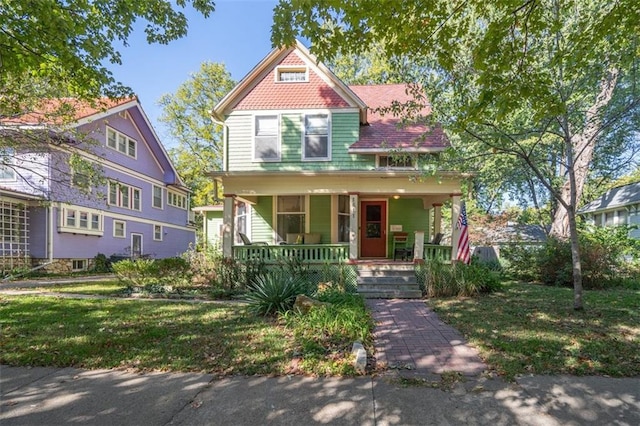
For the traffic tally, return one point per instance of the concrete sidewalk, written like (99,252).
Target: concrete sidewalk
(50,396)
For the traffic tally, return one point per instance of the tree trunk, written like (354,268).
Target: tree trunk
(582,147)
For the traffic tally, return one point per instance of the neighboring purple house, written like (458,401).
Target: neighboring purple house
(141,210)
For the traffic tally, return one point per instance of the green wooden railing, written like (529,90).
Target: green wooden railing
(315,253)
(437,252)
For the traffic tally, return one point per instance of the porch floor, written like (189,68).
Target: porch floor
(410,338)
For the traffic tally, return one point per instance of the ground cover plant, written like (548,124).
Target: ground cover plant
(529,328)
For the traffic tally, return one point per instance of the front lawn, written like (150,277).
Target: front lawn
(529,328)
(216,337)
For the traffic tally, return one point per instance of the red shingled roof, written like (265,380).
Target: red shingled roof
(59,111)
(385,130)
(269,94)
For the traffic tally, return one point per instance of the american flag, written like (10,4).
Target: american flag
(464,254)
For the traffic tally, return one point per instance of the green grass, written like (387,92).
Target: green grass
(143,335)
(219,338)
(101,288)
(529,328)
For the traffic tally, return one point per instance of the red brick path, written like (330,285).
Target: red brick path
(410,337)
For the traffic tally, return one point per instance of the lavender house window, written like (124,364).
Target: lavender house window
(157,197)
(125,196)
(121,143)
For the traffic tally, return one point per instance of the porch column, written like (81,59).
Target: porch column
(418,247)
(455,233)
(353,226)
(227,226)
(437,219)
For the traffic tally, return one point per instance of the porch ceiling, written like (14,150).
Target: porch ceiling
(386,183)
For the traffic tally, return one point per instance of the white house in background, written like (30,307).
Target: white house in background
(618,206)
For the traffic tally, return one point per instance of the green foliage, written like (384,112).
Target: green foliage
(607,259)
(274,292)
(187,114)
(136,273)
(327,331)
(71,44)
(101,264)
(460,280)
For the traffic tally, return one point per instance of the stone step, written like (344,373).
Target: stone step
(388,286)
(388,280)
(392,294)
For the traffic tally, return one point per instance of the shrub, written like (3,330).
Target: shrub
(173,271)
(136,273)
(458,279)
(274,292)
(606,258)
(101,263)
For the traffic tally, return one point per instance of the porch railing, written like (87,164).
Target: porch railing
(437,252)
(315,253)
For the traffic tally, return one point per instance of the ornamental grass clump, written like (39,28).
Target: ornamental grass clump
(274,292)
(458,279)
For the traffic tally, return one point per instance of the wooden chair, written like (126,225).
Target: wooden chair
(247,242)
(437,239)
(401,246)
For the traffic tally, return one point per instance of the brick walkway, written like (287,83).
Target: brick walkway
(410,337)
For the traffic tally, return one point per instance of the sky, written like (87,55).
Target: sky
(237,34)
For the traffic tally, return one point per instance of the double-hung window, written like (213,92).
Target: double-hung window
(157,196)
(125,196)
(291,215)
(266,140)
(343,218)
(121,143)
(317,143)
(157,232)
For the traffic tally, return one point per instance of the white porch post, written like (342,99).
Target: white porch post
(353,226)
(227,226)
(437,219)
(455,233)
(418,246)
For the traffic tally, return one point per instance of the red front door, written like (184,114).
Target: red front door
(373,229)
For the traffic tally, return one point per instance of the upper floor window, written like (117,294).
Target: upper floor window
(125,196)
(121,143)
(81,221)
(292,74)
(176,200)
(398,161)
(7,171)
(266,141)
(157,197)
(317,143)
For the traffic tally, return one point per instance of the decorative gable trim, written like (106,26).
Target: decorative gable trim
(269,63)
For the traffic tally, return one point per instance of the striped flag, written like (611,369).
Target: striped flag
(464,254)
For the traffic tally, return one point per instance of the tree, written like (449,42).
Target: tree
(541,81)
(59,50)
(187,114)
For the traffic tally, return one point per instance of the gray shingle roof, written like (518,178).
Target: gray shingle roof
(616,197)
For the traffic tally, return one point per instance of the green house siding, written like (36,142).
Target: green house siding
(212,228)
(410,213)
(345,128)
(262,219)
(319,216)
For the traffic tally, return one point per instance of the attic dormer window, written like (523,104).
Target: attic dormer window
(292,74)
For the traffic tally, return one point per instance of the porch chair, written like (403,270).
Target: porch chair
(437,239)
(401,246)
(247,242)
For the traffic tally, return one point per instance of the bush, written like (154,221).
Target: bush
(136,273)
(274,292)
(101,264)
(174,271)
(458,279)
(606,258)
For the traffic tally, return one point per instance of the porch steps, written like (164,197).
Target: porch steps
(391,280)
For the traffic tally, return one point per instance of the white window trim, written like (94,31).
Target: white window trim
(131,190)
(84,264)
(124,228)
(63,225)
(161,233)
(306,212)
(171,194)
(153,197)
(127,140)
(278,139)
(378,166)
(304,135)
(291,68)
